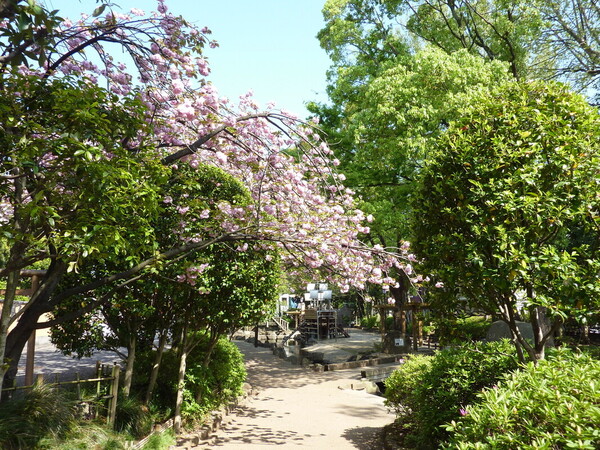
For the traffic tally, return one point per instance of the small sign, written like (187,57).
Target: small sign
(399,342)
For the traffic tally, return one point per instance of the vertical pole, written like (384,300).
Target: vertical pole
(30,359)
(415,328)
(114,390)
(78,388)
(98,387)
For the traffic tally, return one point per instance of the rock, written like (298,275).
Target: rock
(499,330)
(306,362)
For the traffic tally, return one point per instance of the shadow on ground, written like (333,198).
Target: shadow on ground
(365,438)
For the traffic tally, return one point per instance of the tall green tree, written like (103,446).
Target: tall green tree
(401,68)
(497,204)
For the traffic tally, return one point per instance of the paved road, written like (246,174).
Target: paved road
(297,408)
(56,366)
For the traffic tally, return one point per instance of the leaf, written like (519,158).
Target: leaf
(99,10)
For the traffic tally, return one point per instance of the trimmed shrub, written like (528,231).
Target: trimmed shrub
(461,329)
(555,404)
(400,387)
(216,384)
(431,392)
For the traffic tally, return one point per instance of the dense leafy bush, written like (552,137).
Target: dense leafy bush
(25,420)
(401,386)
(555,404)
(461,329)
(369,322)
(430,392)
(206,388)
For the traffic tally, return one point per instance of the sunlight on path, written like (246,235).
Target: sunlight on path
(296,407)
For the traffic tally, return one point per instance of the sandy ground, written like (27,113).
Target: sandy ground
(295,407)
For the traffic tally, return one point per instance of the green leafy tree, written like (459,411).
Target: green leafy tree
(87,147)
(505,188)
(389,98)
(57,187)
(401,70)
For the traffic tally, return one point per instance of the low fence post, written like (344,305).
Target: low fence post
(114,390)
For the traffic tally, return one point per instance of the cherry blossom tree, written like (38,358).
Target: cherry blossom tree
(91,142)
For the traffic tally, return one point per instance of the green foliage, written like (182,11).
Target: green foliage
(86,158)
(40,412)
(462,329)
(369,322)
(206,387)
(432,391)
(500,196)
(402,384)
(85,436)
(160,441)
(210,386)
(133,417)
(389,323)
(555,404)
(496,30)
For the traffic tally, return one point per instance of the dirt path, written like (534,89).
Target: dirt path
(296,407)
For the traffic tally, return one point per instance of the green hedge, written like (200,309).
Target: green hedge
(428,392)
(555,404)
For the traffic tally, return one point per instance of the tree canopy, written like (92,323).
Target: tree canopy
(507,187)
(96,144)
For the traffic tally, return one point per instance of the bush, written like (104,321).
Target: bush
(555,404)
(42,411)
(369,322)
(431,392)
(219,382)
(87,436)
(461,329)
(133,417)
(402,384)
(206,388)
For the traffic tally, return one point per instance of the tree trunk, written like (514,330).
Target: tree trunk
(131,347)
(9,298)
(38,305)
(211,345)
(162,341)
(537,318)
(180,381)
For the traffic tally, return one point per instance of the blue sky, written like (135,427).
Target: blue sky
(267,46)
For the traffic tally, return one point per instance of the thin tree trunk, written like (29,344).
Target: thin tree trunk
(537,325)
(162,341)
(211,346)
(181,381)
(131,347)
(9,298)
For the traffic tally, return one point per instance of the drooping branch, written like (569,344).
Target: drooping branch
(192,148)
(164,256)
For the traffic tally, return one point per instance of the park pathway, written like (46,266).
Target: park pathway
(297,408)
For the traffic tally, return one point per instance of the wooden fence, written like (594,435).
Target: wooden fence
(104,373)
